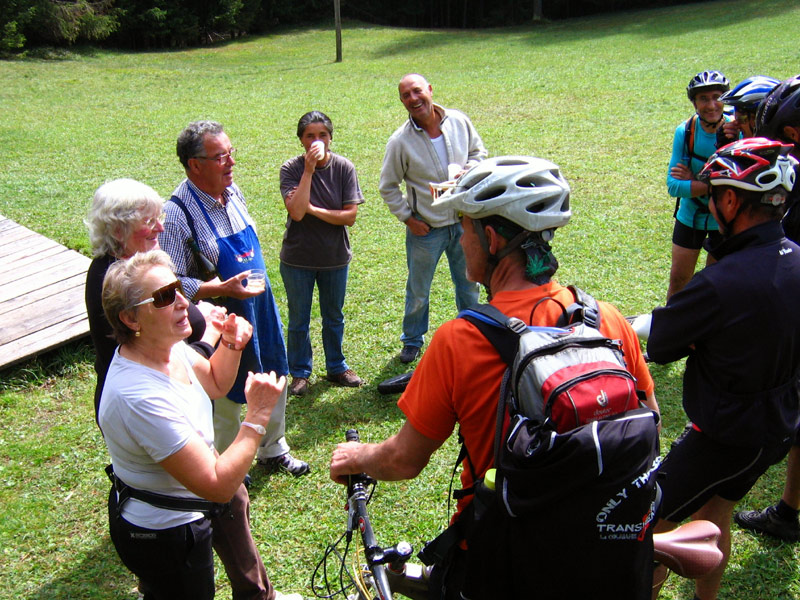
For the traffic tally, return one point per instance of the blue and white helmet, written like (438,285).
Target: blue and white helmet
(748,94)
(707,80)
(525,190)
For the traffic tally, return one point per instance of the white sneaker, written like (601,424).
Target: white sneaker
(280,596)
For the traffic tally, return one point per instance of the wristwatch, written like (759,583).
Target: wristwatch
(259,429)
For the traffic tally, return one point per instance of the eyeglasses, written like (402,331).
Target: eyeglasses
(220,158)
(163,296)
(744,116)
(153,222)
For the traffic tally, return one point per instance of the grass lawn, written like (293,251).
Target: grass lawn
(599,96)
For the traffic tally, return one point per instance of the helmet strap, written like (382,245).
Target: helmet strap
(709,123)
(726,226)
(533,245)
(491,259)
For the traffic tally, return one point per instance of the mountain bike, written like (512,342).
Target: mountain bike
(377,572)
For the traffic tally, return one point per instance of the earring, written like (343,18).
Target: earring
(137,334)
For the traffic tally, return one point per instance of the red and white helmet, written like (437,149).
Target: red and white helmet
(755,164)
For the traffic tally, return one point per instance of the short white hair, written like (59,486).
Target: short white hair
(116,207)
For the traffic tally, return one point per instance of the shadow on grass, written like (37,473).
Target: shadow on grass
(60,362)
(646,23)
(99,576)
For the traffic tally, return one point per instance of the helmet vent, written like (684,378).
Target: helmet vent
(473,181)
(511,162)
(489,193)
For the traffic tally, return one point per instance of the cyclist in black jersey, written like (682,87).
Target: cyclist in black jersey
(779,118)
(740,386)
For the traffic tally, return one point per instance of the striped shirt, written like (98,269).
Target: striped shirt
(176,232)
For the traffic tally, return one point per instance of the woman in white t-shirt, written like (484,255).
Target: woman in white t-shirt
(156,419)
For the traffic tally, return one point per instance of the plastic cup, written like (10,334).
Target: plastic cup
(256,280)
(318,148)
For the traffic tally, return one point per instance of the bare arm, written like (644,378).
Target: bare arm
(230,288)
(345,216)
(298,200)
(652,404)
(402,456)
(218,373)
(217,477)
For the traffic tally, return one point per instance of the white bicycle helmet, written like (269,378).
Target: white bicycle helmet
(525,190)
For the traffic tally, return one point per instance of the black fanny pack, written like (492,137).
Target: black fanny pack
(126,492)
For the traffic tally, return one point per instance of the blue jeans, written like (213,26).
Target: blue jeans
(422,255)
(299,284)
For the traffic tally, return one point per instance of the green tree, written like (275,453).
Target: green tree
(14,16)
(63,22)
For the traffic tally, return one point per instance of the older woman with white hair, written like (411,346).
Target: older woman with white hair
(126,217)
(155,414)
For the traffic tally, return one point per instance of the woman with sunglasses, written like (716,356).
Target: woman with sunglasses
(126,217)
(321,193)
(156,419)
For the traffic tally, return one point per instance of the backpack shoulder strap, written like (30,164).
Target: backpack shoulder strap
(189,219)
(585,310)
(689,132)
(502,331)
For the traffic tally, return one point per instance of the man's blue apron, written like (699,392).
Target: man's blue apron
(266,350)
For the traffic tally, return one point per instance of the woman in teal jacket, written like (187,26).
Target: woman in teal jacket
(695,140)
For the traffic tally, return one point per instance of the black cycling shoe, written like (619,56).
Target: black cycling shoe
(768,522)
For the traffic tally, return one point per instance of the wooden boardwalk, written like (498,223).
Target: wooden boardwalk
(41,294)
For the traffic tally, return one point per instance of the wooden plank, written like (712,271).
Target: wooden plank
(35,316)
(41,294)
(33,245)
(16,235)
(7,224)
(43,340)
(48,291)
(49,269)
(28,255)
(37,276)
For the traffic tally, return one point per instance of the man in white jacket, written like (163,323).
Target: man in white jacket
(433,142)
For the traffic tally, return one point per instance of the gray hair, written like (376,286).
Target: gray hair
(122,288)
(117,207)
(190,140)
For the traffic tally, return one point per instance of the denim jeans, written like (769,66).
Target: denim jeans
(422,255)
(299,284)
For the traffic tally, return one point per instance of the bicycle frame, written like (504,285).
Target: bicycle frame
(690,551)
(358,518)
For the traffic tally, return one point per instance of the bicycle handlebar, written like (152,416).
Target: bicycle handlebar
(377,557)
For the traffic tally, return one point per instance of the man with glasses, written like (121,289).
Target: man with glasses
(207,221)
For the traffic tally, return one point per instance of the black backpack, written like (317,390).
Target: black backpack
(575,487)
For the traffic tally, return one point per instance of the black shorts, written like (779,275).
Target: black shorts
(688,237)
(697,468)
(172,564)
